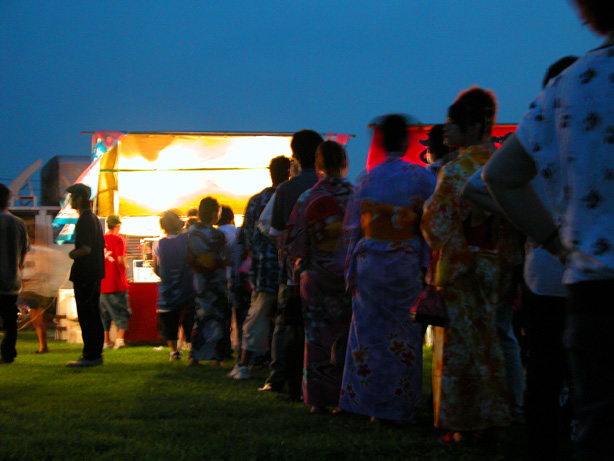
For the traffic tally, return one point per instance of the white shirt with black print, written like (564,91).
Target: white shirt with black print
(569,132)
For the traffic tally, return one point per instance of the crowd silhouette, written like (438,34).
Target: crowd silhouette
(318,282)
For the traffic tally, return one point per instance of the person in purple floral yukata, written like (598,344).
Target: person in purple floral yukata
(386,256)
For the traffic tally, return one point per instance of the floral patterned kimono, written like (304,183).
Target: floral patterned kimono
(313,238)
(469,250)
(205,255)
(386,254)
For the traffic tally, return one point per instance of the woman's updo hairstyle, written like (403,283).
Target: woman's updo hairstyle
(465,113)
(331,157)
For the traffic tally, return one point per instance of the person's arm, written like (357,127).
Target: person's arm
(155,264)
(508,175)
(475,191)
(121,253)
(277,217)
(84,241)
(122,261)
(80,252)
(25,248)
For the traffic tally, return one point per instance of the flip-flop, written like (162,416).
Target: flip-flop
(455,438)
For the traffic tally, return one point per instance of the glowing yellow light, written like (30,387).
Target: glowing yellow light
(187,168)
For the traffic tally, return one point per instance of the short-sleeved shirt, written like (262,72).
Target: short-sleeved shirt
(569,133)
(88,232)
(287,195)
(115,274)
(176,286)
(264,267)
(14,244)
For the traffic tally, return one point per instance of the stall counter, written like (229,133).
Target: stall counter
(143,325)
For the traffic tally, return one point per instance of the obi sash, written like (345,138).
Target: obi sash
(383,221)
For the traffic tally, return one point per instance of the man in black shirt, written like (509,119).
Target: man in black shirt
(86,273)
(14,244)
(289,335)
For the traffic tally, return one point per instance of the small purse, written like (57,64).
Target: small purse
(429,308)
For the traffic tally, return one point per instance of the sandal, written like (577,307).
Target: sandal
(455,438)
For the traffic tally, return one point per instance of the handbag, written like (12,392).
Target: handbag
(428,307)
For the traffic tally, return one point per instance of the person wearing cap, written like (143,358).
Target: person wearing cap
(114,286)
(86,273)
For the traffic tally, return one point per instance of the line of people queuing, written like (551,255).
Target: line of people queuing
(334,268)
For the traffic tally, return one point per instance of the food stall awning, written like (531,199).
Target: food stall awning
(140,174)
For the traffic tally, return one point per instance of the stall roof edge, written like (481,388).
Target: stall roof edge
(208,133)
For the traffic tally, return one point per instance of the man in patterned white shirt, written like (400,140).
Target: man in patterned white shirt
(567,137)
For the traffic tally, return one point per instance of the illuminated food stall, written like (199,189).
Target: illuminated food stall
(140,175)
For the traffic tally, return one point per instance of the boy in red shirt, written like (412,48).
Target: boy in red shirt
(114,287)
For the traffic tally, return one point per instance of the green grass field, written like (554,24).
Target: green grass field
(139,406)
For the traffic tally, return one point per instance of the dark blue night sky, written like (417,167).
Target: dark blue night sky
(72,66)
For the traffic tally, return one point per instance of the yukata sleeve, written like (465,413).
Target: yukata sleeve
(352,233)
(294,240)
(249,223)
(442,210)
(277,217)
(202,256)
(264,220)
(237,256)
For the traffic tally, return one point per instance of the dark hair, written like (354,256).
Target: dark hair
(333,157)
(597,14)
(484,98)
(193,211)
(5,195)
(226,216)
(170,222)
(558,67)
(207,209)
(465,113)
(304,144)
(279,169)
(437,148)
(394,133)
